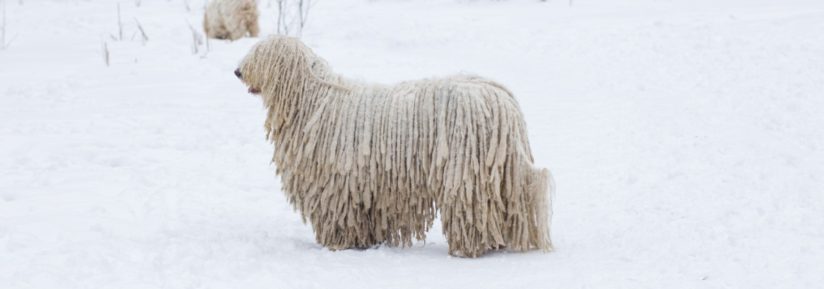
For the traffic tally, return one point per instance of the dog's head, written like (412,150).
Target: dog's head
(270,61)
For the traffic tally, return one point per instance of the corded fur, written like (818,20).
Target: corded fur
(231,19)
(371,164)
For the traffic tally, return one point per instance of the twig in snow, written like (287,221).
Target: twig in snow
(144,38)
(119,24)
(197,39)
(106,53)
(282,27)
(292,16)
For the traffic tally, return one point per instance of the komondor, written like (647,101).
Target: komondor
(231,19)
(370,164)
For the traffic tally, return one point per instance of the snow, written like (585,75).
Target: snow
(686,139)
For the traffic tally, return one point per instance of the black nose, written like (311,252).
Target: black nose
(237,73)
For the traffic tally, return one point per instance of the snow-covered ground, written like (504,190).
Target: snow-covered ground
(686,139)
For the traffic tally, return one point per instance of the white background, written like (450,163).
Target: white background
(685,138)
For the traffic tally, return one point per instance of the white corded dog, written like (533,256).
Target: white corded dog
(231,19)
(370,164)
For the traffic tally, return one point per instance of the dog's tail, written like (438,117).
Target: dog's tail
(540,189)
